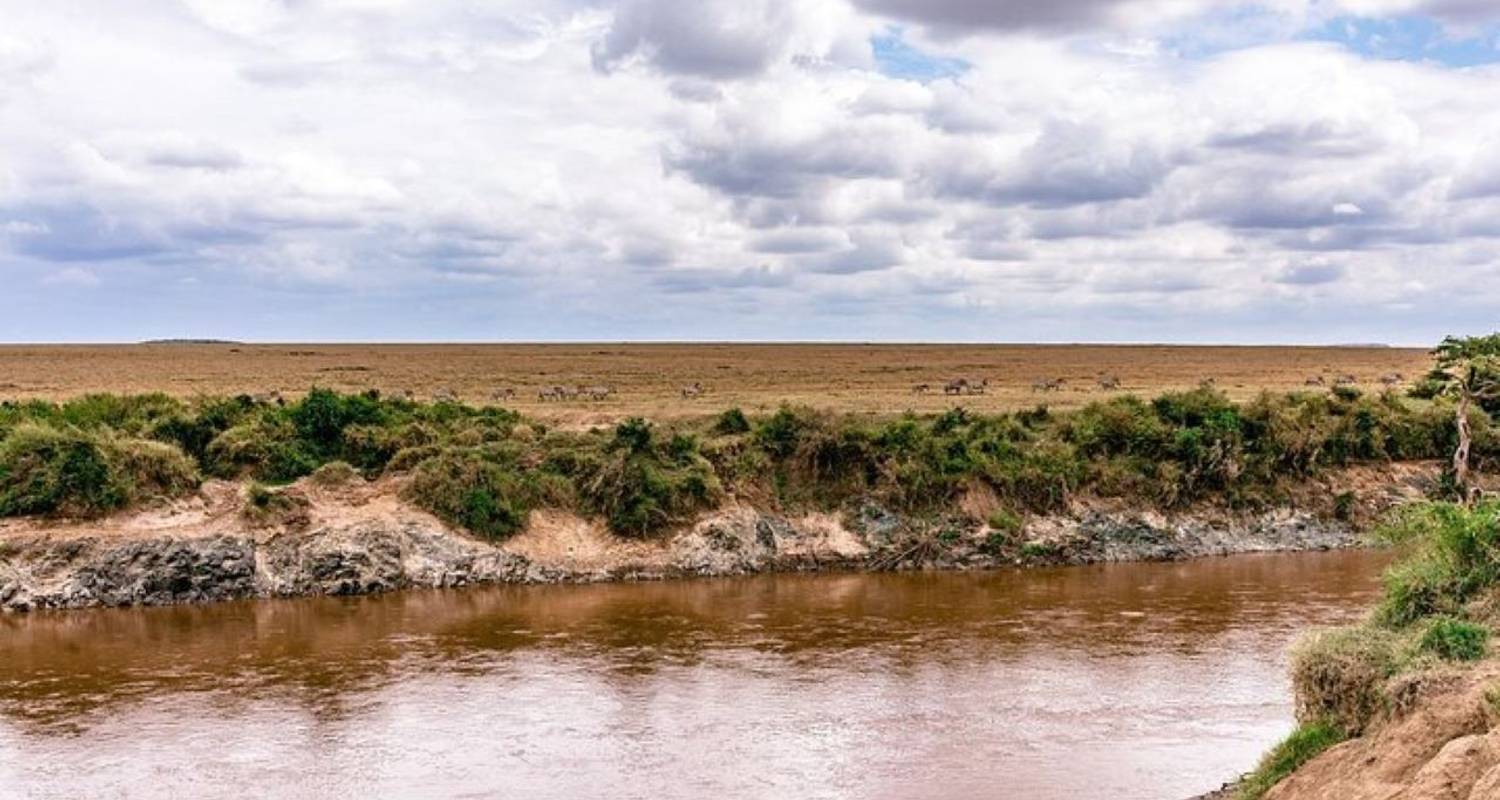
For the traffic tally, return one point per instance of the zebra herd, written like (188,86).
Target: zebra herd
(557,393)
(970,386)
(957,386)
(1390,380)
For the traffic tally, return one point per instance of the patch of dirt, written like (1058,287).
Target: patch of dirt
(561,540)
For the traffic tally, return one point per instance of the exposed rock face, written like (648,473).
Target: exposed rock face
(373,543)
(73,573)
(360,538)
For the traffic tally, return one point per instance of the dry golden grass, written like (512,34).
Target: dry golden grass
(647,378)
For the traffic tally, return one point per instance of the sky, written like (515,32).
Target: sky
(1283,171)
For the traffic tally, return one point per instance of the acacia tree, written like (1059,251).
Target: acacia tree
(1469,369)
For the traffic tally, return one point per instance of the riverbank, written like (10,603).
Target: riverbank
(1404,705)
(361,537)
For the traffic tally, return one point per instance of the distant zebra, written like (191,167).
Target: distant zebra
(597,392)
(502,395)
(1316,380)
(1048,385)
(1392,380)
(1109,383)
(550,394)
(1346,380)
(445,396)
(921,388)
(956,386)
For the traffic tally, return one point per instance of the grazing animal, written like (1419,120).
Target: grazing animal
(503,394)
(977,387)
(547,395)
(693,391)
(1392,380)
(1109,383)
(956,386)
(1048,385)
(445,396)
(598,392)
(1316,380)
(921,388)
(1346,380)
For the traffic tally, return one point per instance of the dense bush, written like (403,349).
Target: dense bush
(49,470)
(472,492)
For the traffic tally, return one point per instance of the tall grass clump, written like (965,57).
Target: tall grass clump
(1453,555)
(1338,676)
(73,472)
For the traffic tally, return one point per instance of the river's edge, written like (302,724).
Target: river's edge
(362,539)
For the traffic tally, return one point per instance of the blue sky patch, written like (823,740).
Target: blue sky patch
(898,59)
(1411,38)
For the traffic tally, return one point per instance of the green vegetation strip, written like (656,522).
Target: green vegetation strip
(485,468)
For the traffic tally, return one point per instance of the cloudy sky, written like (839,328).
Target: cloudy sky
(944,170)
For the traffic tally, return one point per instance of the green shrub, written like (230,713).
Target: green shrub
(1006,521)
(46,470)
(152,469)
(732,422)
(634,435)
(1454,639)
(1339,674)
(471,492)
(779,433)
(1302,746)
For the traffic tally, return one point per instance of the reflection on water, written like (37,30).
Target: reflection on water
(1129,681)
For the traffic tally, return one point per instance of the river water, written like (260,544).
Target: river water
(1122,681)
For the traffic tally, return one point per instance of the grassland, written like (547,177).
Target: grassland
(647,378)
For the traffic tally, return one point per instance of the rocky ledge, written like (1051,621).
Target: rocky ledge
(363,539)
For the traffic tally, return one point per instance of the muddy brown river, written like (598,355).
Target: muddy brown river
(1126,681)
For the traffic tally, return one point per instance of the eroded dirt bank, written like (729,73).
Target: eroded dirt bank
(1439,741)
(360,538)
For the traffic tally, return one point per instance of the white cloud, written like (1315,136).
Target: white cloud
(742,170)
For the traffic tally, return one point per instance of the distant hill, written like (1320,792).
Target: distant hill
(190,341)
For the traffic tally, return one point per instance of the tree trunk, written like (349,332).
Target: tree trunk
(1461,455)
